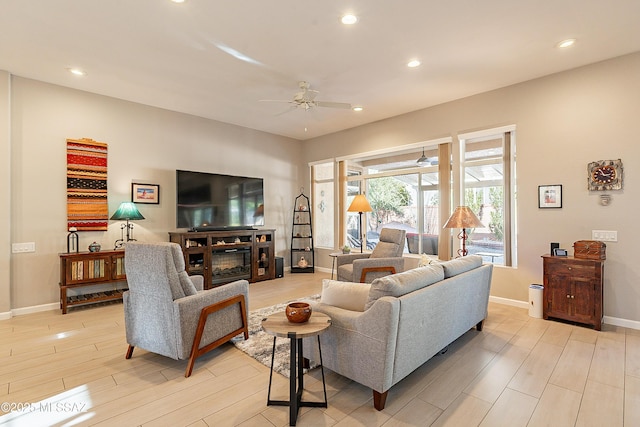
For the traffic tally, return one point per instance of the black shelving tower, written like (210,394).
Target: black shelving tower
(302,253)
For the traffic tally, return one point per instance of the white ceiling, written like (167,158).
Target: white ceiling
(169,55)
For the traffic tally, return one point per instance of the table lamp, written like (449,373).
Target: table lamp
(129,212)
(360,205)
(463,217)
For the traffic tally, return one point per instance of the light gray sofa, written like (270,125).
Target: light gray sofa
(408,318)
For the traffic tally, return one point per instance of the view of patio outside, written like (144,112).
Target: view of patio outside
(404,194)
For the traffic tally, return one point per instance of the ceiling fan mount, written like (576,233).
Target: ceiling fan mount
(306,99)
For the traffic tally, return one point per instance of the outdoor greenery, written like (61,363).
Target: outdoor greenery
(496,224)
(387,197)
(473,198)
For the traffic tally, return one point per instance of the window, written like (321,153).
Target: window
(402,195)
(417,197)
(323,200)
(487,163)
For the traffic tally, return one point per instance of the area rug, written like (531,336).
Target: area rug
(260,344)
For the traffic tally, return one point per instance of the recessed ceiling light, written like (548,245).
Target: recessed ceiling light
(178,1)
(413,63)
(566,43)
(349,19)
(357,108)
(77,71)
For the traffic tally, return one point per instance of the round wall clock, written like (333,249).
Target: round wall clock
(605,175)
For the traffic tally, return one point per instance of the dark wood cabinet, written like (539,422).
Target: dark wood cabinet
(573,289)
(225,256)
(82,269)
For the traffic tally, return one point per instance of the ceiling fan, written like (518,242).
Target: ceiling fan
(426,161)
(306,99)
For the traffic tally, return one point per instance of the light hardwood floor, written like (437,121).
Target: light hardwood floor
(70,369)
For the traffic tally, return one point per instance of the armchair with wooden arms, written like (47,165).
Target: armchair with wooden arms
(386,258)
(167,312)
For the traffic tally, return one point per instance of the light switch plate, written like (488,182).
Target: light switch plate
(604,235)
(19,248)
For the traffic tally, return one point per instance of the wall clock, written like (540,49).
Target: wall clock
(605,175)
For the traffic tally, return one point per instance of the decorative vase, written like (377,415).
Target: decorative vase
(94,247)
(298,312)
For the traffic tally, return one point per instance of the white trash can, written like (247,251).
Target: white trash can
(535,301)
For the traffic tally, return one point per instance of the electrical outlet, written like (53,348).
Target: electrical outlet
(19,248)
(604,235)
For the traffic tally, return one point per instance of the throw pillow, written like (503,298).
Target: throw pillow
(403,283)
(346,295)
(461,265)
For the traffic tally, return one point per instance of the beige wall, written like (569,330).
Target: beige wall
(145,145)
(563,121)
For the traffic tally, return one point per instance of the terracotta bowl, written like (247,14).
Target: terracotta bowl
(298,312)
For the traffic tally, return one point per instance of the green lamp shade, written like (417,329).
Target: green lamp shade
(127,210)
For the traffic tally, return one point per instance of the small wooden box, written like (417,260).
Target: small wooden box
(589,249)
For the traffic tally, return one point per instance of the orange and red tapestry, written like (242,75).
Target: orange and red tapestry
(87,207)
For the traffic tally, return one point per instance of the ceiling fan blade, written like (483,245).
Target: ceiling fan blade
(274,100)
(293,107)
(333,104)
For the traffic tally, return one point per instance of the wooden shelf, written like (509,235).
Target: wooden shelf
(204,252)
(82,269)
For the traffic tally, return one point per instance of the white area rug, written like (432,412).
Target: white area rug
(260,344)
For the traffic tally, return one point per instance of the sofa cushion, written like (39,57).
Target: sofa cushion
(400,284)
(461,265)
(346,295)
(384,250)
(187,285)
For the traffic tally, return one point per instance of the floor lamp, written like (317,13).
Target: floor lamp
(360,205)
(463,217)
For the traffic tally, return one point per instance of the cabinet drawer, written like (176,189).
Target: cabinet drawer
(575,269)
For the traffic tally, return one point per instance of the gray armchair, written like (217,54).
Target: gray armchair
(167,312)
(386,258)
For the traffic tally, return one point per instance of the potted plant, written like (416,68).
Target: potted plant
(346,249)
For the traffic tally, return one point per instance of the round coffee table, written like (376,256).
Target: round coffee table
(279,326)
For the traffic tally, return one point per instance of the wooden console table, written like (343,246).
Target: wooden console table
(83,269)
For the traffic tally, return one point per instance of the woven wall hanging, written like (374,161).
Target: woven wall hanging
(87,207)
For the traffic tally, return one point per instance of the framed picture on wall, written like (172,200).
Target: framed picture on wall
(145,193)
(549,196)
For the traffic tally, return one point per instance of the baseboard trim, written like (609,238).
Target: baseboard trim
(616,321)
(35,309)
(511,302)
(5,316)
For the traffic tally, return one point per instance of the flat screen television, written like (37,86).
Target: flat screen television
(208,201)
